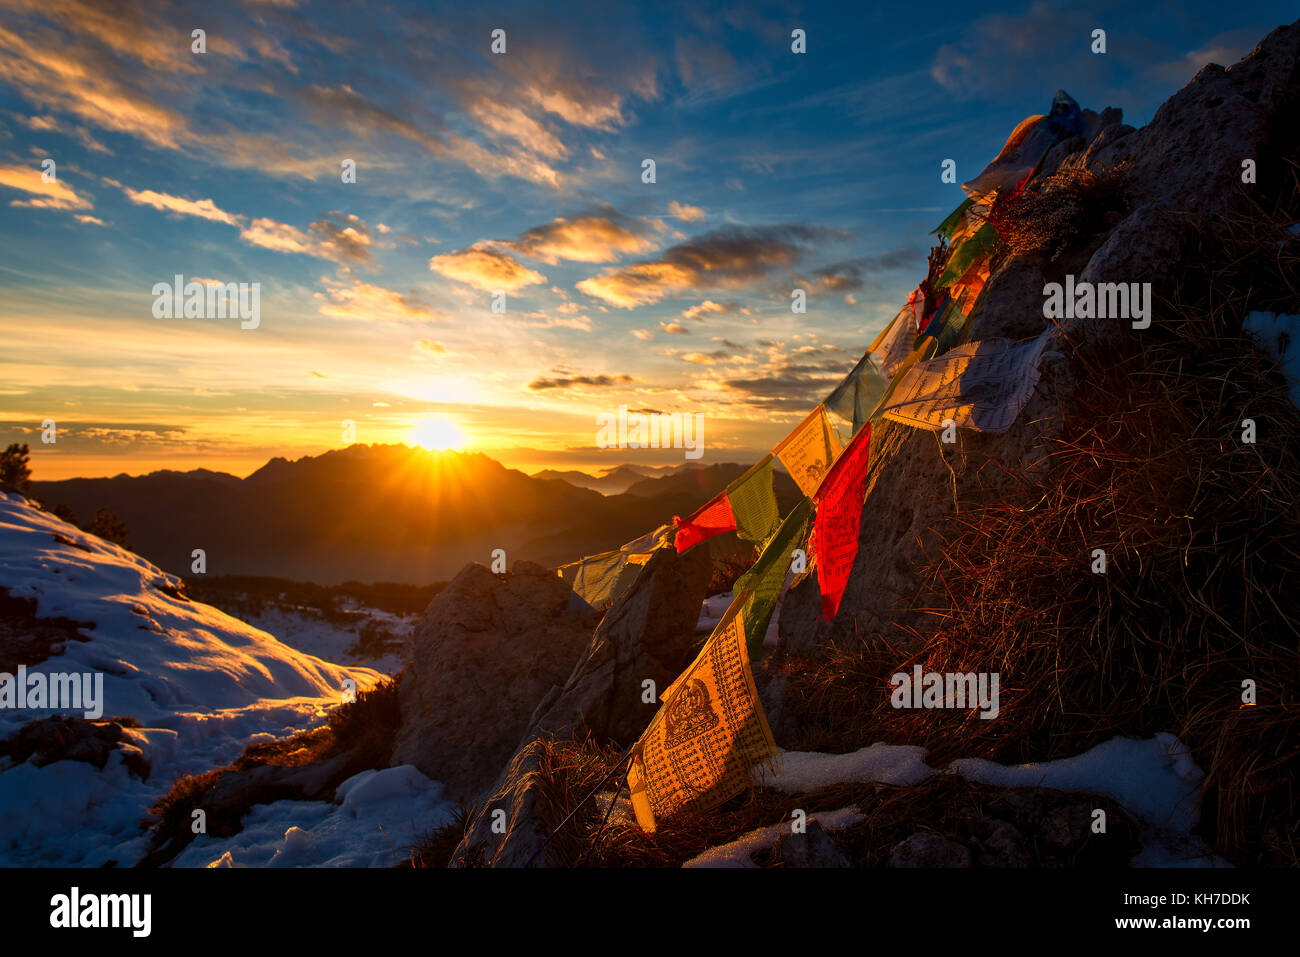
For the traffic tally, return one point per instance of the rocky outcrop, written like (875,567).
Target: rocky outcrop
(487,649)
(647,634)
(1181,170)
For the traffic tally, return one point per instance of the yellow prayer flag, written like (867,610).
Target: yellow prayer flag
(708,734)
(809,451)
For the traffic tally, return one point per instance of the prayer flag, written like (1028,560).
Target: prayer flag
(711,519)
(858,393)
(710,731)
(753,502)
(979,385)
(808,451)
(839,515)
(758,588)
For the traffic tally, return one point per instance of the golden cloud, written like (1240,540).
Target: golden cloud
(55,194)
(485,267)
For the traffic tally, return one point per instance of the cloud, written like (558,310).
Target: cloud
(202,208)
(485,267)
(578,105)
(709,308)
(280,237)
(428,347)
(362,300)
(89,220)
(688,214)
(676,328)
(56,194)
(706,358)
(543,320)
(568,382)
(343,107)
(852,273)
(786,390)
(343,241)
(56,76)
(341,238)
(730,257)
(645,335)
(509,122)
(601,236)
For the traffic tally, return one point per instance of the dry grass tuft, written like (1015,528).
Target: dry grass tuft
(1060,212)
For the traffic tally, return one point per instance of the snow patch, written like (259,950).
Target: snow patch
(376,816)
(741,851)
(1280,336)
(201,683)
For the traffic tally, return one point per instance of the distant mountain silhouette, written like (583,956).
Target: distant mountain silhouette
(383,513)
(609,481)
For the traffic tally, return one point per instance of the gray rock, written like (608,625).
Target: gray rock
(1001,845)
(1067,828)
(516,792)
(487,649)
(929,850)
(813,848)
(648,633)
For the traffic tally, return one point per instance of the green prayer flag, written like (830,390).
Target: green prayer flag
(759,587)
(753,502)
(946,227)
(951,328)
(964,254)
(855,397)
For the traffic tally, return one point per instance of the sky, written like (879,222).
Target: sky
(519,172)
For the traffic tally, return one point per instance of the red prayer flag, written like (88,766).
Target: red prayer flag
(713,519)
(839,515)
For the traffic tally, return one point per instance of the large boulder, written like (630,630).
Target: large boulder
(647,634)
(488,648)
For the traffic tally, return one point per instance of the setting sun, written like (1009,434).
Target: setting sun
(437,434)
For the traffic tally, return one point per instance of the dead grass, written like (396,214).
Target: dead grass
(1060,212)
(435,847)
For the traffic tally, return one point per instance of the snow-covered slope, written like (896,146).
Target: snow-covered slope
(201,683)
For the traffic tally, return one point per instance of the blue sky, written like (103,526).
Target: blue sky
(521,172)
